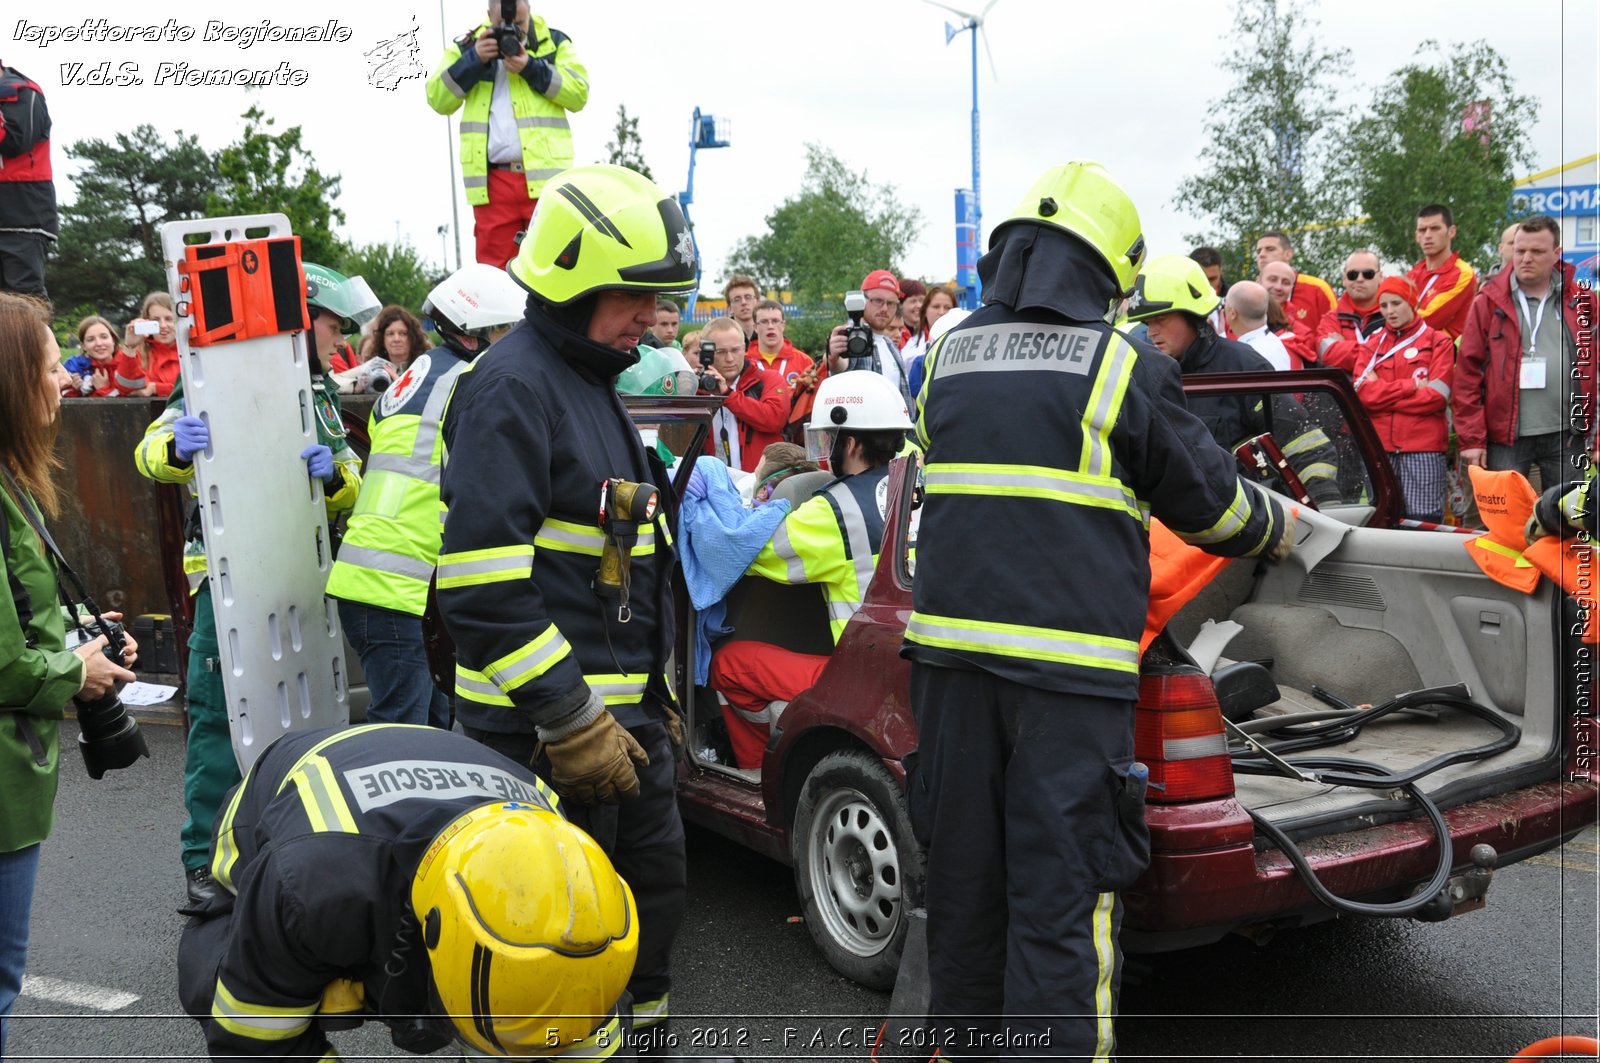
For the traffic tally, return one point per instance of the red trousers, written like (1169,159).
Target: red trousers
(752,676)
(497,223)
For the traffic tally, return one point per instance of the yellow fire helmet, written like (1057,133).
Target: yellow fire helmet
(1170,284)
(1082,198)
(604,228)
(531,934)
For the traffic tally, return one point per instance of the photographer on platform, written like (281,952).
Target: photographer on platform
(38,675)
(518,79)
(882,356)
(756,404)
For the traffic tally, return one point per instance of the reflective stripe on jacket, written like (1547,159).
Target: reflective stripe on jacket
(392,542)
(320,843)
(462,81)
(1049,443)
(831,539)
(531,431)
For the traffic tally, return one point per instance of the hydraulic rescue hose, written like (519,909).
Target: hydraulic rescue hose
(1316,730)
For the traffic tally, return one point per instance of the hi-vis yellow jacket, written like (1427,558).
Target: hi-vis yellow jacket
(392,542)
(552,84)
(831,539)
(1049,444)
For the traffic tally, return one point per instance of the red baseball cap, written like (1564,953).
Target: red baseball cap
(881,280)
(1400,286)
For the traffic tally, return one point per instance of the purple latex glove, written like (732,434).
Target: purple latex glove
(696,487)
(189,436)
(319,461)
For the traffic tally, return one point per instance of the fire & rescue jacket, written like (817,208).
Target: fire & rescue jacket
(155,459)
(833,539)
(1388,369)
(1486,390)
(1310,300)
(758,406)
(1444,295)
(392,541)
(552,84)
(532,430)
(1033,555)
(319,847)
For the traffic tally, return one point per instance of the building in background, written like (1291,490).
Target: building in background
(1569,193)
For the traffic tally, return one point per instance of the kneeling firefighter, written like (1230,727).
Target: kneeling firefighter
(391,545)
(413,876)
(555,574)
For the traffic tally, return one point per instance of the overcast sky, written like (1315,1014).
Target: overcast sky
(875,82)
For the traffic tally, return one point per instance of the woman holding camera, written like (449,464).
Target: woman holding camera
(38,676)
(153,336)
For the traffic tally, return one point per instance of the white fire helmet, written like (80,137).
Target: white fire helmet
(474,301)
(855,401)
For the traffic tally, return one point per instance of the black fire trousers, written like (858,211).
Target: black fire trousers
(644,839)
(1032,822)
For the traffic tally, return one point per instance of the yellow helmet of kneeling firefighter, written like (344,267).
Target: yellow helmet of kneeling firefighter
(1082,198)
(604,228)
(531,934)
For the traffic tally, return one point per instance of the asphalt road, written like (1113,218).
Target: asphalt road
(749,982)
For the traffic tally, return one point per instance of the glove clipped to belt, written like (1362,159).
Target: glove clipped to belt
(593,757)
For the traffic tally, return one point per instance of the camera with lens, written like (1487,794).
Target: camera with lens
(858,337)
(505,32)
(710,380)
(108,737)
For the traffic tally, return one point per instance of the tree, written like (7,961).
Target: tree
(109,253)
(1268,142)
(266,173)
(626,147)
(395,272)
(822,241)
(1452,131)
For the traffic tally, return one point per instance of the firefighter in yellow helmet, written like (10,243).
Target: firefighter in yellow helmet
(1025,652)
(410,876)
(537,441)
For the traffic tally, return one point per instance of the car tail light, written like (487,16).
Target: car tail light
(1180,738)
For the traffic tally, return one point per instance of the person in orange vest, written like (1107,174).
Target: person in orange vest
(1402,375)
(1446,283)
(1310,298)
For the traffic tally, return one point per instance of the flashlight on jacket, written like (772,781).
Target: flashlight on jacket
(624,505)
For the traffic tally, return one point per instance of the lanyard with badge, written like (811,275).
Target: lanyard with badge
(1400,346)
(1532,374)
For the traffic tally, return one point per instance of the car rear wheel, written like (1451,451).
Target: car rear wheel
(858,870)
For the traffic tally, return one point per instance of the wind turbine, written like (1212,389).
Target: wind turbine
(974,23)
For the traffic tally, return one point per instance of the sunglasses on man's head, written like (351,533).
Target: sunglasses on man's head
(1360,274)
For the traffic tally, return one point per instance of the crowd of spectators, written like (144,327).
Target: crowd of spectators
(1438,358)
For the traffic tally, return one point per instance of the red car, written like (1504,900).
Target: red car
(1363,609)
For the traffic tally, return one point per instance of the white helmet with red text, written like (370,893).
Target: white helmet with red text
(855,401)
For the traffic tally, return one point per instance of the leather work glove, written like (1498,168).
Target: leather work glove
(319,460)
(1534,531)
(595,764)
(1285,543)
(189,437)
(674,727)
